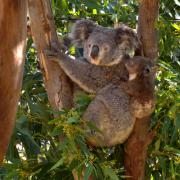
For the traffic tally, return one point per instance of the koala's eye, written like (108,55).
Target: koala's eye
(106,48)
(147,71)
(131,63)
(89,45)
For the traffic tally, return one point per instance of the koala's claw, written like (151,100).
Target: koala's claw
(50,53)
(53,51)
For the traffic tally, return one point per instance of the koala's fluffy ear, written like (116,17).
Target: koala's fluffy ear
(81,31)
(125,34)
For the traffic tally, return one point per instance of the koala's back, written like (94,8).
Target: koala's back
(110,113)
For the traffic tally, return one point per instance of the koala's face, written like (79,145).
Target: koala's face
(100,48)
(141,76)
(104,46)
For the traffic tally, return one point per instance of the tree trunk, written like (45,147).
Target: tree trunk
(12,52)
(137,144)
(148,14)
(58,85)
(44,35)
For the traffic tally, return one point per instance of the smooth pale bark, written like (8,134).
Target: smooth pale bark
(44,35)
(141,137)
(12,53)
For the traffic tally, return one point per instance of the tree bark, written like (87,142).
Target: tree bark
(141,137)
(148,14)
(12,53)
(58,85)
(44,35)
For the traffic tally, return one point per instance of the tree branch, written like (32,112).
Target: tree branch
(44,35)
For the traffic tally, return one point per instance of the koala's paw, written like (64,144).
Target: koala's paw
(53,51)
(51,55)
(142,110)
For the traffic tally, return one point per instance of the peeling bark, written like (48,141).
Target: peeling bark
(58,85)
(12,54)
(44,35)
(141,137)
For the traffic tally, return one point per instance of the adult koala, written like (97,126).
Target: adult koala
(123,86)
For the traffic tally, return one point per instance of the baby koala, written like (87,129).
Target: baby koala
(104,46)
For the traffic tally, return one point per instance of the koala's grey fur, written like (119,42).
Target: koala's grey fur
(118,101)
(123,87)
(111,113)
(92,78)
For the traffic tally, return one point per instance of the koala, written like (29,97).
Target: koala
(123,92)
(122,86)
(104,46)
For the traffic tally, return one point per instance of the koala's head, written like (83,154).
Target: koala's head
(104,46)
(141,76)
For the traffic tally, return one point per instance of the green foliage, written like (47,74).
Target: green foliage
(35,151)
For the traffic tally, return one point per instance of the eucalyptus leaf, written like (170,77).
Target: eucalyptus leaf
(88,171)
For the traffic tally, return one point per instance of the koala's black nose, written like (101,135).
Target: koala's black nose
(94,51)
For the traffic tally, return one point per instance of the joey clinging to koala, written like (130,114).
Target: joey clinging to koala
(104,46)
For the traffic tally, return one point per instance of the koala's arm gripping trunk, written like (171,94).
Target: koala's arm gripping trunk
(89,77)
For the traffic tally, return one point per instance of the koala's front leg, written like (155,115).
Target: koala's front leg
(89,77)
